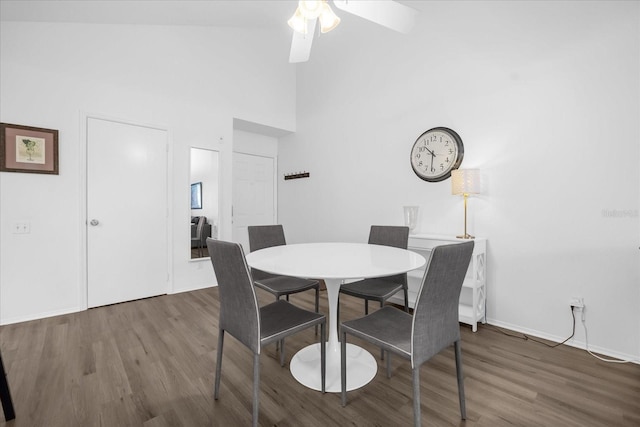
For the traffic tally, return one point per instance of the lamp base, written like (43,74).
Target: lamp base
(465,236)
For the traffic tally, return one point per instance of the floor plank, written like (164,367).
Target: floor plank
(151,363)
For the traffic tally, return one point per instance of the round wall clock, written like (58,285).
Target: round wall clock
(436,153)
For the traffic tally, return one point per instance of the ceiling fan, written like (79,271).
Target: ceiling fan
(387,13)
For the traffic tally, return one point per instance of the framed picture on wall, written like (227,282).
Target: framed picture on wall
(28,149)
(196,195)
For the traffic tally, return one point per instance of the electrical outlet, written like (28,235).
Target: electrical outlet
(577,302)
(21,228)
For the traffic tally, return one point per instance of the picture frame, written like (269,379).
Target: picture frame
(28,149)
(196,195)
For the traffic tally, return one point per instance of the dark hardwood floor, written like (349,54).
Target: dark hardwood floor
(196,253)
(151,363)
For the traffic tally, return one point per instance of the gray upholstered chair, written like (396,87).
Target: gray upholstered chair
(381,289)
(266,236)
(198,237)
(254,326)
(433,326)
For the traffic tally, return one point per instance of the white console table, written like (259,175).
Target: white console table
(474,289)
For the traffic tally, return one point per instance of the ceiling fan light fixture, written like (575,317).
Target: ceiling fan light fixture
(388,13)
(311,9)
(298,22)
(328,19)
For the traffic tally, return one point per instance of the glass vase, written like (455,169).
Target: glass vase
(411,217)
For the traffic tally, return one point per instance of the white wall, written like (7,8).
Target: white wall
(191,80)
(255,143)
(541,92)
(545,96)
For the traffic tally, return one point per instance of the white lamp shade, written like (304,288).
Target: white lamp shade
(310,9)
(328,19)
(465,181)
(298,22)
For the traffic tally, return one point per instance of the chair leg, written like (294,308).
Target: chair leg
(282,355)
(381,350)
(416,397)
(406,299)
(388,364)
(5,394)
(463,409)
(216,390)
(317,304)
(343,368)
(256,388)
(366,307)
(323,356)
(278,343)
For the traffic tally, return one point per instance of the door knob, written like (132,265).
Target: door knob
(94,222)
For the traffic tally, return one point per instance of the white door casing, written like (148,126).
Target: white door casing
(127,212)
(253,194)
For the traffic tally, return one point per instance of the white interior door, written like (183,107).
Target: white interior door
(253,194)
(127,212)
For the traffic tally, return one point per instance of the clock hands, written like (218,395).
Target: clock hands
(433,155)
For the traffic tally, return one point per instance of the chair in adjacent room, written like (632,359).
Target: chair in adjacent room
(381,289)
(254,326)
(433,327)
(198,236)
(266,236)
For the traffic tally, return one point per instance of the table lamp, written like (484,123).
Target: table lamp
(465,182)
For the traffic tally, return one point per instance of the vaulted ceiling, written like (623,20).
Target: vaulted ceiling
(232,13)
(235,13)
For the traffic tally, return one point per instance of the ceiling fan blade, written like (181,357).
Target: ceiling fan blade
(301,43)
(387,13)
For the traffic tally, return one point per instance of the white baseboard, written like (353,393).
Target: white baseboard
(37,316)
(43,315)
(193,288)
(572,342)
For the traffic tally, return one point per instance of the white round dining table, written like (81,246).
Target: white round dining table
(334,263)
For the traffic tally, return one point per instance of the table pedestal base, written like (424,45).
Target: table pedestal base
(361,367)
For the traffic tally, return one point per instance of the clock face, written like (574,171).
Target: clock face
(436,153)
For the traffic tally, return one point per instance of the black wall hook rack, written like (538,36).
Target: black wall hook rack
(296,175)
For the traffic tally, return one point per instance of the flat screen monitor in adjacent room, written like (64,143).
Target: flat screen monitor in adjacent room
(196,195)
